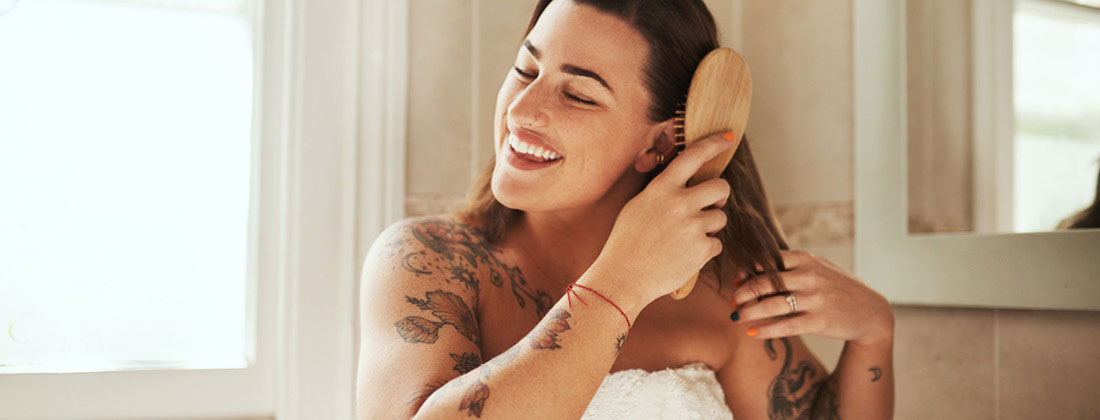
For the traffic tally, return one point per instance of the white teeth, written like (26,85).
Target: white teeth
(531,149)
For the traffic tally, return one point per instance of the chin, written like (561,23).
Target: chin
(514,194)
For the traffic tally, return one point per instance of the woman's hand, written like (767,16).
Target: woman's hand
(660,238)
(830,304)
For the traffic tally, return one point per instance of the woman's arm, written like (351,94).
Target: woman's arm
(554,371)
(862,386)
(420,356)
(829,303)
(780,379)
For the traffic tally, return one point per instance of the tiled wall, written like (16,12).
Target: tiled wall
(951,363)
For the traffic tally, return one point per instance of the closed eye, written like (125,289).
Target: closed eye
(571,97)
(521,73)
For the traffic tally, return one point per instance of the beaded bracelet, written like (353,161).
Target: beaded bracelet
(569,289)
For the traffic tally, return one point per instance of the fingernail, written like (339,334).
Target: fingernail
(734,316)
(728,135)
(733,304)
(752,332)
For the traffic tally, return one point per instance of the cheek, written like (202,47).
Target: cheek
(604,154)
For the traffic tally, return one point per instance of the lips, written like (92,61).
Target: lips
(524,161)
(529,137)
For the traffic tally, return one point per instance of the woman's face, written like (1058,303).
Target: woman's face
(579,95)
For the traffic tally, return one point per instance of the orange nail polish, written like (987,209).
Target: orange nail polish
(733,303)
(728,135)
(752,332)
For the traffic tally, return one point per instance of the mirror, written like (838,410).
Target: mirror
(1003,115)
(1034,270)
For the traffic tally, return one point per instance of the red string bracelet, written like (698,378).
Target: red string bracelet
(569,289)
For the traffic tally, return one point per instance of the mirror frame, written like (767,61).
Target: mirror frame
(1037,270)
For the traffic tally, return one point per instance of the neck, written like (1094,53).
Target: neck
(560,245)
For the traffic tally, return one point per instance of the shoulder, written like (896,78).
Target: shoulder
(429,230)
(430,247)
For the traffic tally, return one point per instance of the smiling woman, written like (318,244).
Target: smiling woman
(556,273)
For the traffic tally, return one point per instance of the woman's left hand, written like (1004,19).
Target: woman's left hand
(830,303)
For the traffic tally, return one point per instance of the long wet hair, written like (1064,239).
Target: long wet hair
(679,34)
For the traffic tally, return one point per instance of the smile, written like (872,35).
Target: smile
(529,151)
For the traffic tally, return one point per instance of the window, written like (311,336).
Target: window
(201,178)
(125,163)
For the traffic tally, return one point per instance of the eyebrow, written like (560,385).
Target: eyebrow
(569,68)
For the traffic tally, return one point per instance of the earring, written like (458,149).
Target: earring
(660,159)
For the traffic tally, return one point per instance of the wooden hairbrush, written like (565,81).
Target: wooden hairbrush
(717,101)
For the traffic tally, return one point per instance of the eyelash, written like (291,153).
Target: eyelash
(571,97)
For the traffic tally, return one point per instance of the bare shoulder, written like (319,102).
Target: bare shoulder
(429,247)
(418,312)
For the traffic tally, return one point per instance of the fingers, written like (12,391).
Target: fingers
(788,327)
(776,305)
(713,221)
(715,247)
(761,286)
(688,162)
(708,193)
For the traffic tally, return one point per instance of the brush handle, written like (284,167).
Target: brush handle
(683,291)
(717,102)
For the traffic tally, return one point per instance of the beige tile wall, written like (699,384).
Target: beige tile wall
(951,363)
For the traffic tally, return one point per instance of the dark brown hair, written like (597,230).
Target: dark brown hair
(679,33)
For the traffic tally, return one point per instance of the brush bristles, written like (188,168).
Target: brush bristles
(678,124)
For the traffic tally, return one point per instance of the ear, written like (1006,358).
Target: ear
(660,140)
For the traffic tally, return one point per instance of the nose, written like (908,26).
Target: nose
(529,108)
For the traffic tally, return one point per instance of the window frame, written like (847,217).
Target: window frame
(993,115)
(328,169)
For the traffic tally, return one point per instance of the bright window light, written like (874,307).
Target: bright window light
(125,161)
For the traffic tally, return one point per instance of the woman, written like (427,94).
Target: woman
(558,271)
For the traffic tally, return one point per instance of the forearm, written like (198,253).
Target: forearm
(553,371)
(862,386)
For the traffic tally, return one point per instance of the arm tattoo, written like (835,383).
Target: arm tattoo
(476,393)
(428,391)
(466,362)
(877,373)
(825,406)
(546,333)
(445,306)
(789,395)
(619,343)
(459,251)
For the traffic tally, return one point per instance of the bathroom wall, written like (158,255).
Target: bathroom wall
(951,363)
